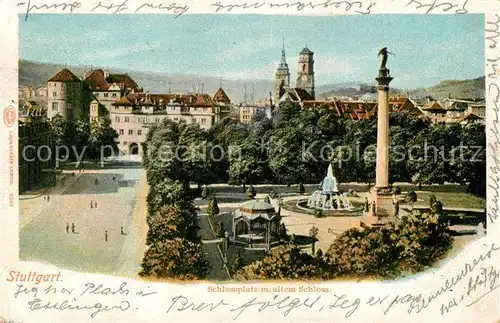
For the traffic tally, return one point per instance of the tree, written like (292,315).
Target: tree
(285,262)
(363,252)
(468,161)
(236,263)
(246,163)
(177,258)
(213,207)
(438,208)
(313,233)
(409,245)
(283,233)
(62,132)
(166,192)
(251,192)
(219,230)
(204,192)
(432,203)
(431,163)
(318,213)
(170,222)
(319,254)
(226,134)
(301,189)
(411,197)
(421,240)
(102,139)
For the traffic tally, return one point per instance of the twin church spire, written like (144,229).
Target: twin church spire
(305,74)
(283,63)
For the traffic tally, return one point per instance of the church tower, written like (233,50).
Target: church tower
(282,78)
(305,79)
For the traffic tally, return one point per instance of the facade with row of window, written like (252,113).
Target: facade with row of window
(133,114)
(71,98)
(130,109)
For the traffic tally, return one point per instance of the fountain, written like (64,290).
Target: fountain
(329,197)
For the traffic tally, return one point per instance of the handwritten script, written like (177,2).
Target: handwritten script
(355,6)
(465,287)
(178,9)
(493,72)
(112,298)
(104,6)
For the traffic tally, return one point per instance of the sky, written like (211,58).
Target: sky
(427,48)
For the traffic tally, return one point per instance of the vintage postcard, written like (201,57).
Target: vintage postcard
(216,162)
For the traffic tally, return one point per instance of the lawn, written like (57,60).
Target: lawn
(452,199)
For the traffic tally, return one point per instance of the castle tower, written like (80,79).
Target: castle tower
(64,96)
(282,78)
(305,79)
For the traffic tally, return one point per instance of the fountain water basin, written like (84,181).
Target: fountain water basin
(328,197)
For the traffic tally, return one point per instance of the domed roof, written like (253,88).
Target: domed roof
(255,209)
(256,205)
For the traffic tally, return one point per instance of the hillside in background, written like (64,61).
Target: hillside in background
(470,89)
(36,74)
(473,89)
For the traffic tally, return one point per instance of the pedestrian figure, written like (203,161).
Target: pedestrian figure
(45,198)
(73,174)
(95,204)
(113,178)
(91,205)
(96,181)
(73,227)
(121,231)
(67,227)
(106,235)
(48,198)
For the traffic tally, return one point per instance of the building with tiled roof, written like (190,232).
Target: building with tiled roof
(96,81)
(221,96)
(107,88)
(358,110)
(470,117)
(132,114)
(65,96)
(65,75)
(125,81)
(297,95)
(454,111)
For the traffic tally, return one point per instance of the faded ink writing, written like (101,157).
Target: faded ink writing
(438,6)
(493,143)
(64,6)
(492,32)
(174,7)
(39,304)
(346,6)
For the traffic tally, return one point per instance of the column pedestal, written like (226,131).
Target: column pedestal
(383,210)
